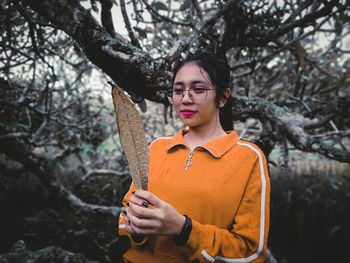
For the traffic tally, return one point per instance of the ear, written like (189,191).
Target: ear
(225,95)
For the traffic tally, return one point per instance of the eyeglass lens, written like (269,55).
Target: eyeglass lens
(195,94)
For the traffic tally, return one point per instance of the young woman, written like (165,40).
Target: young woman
(208,193)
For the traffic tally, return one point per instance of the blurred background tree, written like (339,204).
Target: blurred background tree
(62,170)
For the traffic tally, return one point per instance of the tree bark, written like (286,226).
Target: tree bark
(132,69)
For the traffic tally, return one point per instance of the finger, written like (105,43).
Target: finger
(138,201)
(133,229)
(140,222)
(129,228)
(149,197)
(141,226)
(142,217)
(141,212)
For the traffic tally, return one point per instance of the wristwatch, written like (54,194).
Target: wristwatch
(182,238)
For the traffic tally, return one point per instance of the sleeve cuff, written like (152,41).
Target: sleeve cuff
(138,240)
(134,240)
(198,240)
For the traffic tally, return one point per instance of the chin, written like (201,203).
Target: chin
(188,122)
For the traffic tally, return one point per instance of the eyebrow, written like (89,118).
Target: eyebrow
(192,82)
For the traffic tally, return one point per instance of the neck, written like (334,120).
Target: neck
(197,136)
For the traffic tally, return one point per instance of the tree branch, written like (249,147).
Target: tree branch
(39,166)
(182,45)
(132,37)
(141,76)
(19,253)
(106,16)
(32,33)
(165,18)
(76,202)
(291,125)
(198,10)
(303,22)
(104,173)
(228,6)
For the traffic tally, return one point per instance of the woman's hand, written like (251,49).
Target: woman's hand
(147,214)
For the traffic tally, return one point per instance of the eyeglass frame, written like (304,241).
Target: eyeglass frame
(171,93)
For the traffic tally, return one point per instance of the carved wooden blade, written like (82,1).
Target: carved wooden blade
(132,137)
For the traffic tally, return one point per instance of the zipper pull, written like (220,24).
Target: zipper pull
(189,161)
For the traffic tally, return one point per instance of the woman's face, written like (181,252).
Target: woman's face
(201,111)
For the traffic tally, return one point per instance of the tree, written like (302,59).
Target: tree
(289,64)
(263,39)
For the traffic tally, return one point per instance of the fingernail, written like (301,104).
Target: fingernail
(145,204)
(133,192)
(127,204)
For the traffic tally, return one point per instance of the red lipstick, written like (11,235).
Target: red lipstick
(187,113)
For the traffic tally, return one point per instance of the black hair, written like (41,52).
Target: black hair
(219,72)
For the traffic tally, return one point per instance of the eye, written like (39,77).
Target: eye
(178,91)
(198,90)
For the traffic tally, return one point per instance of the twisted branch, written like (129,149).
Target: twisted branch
(291,125)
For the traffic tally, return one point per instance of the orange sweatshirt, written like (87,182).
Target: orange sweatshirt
(223,186)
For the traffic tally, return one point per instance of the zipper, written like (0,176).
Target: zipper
(189,160)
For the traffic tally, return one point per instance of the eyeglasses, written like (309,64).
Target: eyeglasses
(195,94)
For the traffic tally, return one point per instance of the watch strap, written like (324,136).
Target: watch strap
(182,238)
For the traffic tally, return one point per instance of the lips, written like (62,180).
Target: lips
(187,113)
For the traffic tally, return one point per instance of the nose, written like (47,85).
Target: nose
(186,97)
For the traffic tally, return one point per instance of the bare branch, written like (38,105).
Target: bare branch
(186,43)
(32,33)
(165,18)
(228,5)
(328,134)
(292,125)
(39,167)
(103,172)
(76,202)
(14,135)
(132,37)
(305,21)
(198,11)
(106,16)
